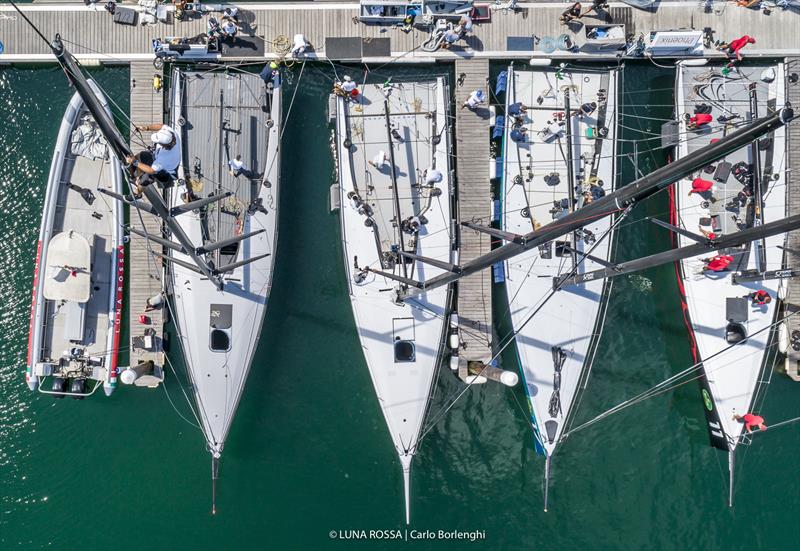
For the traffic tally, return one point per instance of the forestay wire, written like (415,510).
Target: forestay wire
(670,383)
(512,335)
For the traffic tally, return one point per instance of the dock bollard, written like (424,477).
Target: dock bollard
(130,375)
(508,378)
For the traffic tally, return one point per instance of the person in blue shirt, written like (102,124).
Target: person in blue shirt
(519,134)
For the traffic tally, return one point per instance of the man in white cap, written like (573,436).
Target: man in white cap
(476,98)
(348,85)
(160,164)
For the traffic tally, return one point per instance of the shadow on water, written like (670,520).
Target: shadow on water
(309,451)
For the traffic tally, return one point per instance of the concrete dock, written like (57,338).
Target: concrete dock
(91,34)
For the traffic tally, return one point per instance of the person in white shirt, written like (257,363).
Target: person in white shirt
(160,164)
(348,85)
(475,99)
(236,166)
(433,176)
(380,161)
(229,27)
(300,45)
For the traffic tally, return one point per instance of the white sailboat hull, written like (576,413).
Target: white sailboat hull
(220,330)
(401,342)
(570,321)
(730,377)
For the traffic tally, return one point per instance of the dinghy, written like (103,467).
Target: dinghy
(225,201)
(746,189)
(393,148)
(559,156)
(74,333)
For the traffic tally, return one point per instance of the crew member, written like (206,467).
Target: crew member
(760,297)
(699,119)
(735,46)
(476,98)
(300,45)
(750,421)
(701,186)
(717,263)
(162,162)
(380,161)
(433,176)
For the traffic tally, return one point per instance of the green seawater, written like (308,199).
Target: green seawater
(309,455)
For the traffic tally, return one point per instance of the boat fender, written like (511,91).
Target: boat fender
(454,363)
(509,378)
(454,341)
(157,83)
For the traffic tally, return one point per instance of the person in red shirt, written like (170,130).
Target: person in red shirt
(760,297)
(735,47)
(751,421)
(709,234)
(718,263)
(700,186)
(699,119)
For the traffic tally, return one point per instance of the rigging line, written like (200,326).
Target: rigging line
(649,393)
(510,340)
(164,386)
(772,426)
(285,120)
(511,335)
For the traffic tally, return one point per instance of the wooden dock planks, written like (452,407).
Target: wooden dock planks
(474,205)
(92,33)
(145,272)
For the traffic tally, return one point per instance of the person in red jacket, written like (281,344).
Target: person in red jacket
(700,186)
(750,421)
(760,297)
(717,263)
(735,46)
(699,119)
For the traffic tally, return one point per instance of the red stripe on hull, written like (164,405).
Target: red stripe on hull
(117,312)
(33,305)
(673,218)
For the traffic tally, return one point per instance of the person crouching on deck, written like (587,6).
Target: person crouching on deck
(159,163)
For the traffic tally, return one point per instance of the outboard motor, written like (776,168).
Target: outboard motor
(59,386)
(77,387)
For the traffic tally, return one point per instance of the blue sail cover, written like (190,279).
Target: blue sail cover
(500,87)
